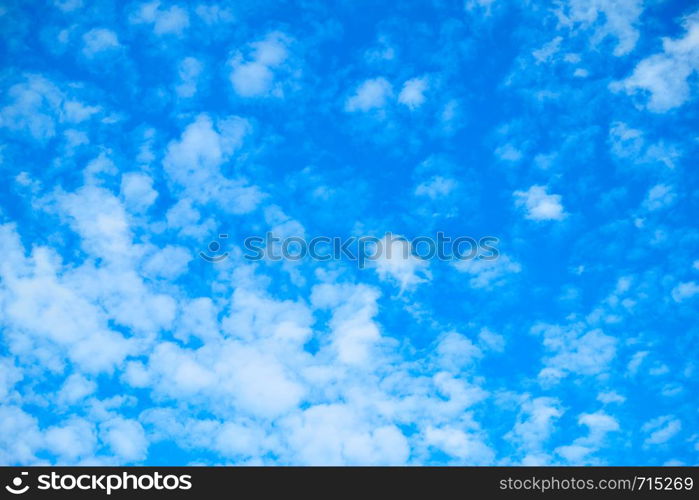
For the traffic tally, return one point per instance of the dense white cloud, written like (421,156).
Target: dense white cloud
(75,388)
(10,374)
(169,262)
(126,439)
(540,205)
(50,320)
(72,441)
(333,435)
(21,437)
(412,94)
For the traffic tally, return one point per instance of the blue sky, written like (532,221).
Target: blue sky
(133,134)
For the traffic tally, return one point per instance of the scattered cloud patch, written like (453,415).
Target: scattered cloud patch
(539,205)
(372,94)
(253,75)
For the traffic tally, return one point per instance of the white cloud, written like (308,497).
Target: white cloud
(68,5)
(488,273)
(626,142)
(50,320)
(75,388)
(126,438)
(257,383)
(660,196)
(194,163)
(173,20)
(546,52)
(468,447)
(397,263)
(189,70)
(540,205)
(137,191)
(9,376)
(371,94)
(20,438)
(574,350)
(169,262)
(685,291)
(610,397)
(455,352)
(599,425)
(334,434)
(213,14)
(100,170)
(618,19)
(509,152)
(99,217)
(491,340)
(38,106)
(188,220)
(354,333)
(629,143)
(254,76)
(198,319)
(665,75)
(636,362)
(72,441)
(535,425)
(412,94)
(99,40)
(661,429)
(436,187)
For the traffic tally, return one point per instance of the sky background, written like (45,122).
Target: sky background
(133,134)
